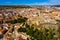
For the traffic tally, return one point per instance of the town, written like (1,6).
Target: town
(15,22)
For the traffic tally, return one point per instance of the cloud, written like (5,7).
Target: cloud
(54,0)
(44,3)
(50,2)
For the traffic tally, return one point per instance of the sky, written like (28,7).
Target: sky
(29,2)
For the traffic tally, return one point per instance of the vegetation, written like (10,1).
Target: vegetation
(58,21)
(42,34)
(35,34)
(18,20)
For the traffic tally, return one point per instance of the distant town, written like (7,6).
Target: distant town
(30,22)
